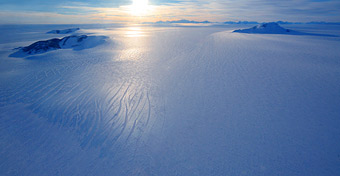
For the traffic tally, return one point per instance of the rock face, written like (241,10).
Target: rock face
(267,28)
(41,46)
(64,31)
(76,42)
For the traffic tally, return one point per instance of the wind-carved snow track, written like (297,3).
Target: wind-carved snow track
(105,115)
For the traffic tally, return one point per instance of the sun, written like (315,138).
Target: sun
(139,7)
(140,3)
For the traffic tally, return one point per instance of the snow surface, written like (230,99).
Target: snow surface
(64,31)
(172,101)
(74,41)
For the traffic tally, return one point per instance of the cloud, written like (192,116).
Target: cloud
(218,10)
(53,18)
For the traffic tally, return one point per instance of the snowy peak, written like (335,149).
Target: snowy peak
(270,27)
(76,42)
(275,28)
(72,41)
(267,28)
(64,31)
(79,42)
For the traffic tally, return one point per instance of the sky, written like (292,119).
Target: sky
(112,11)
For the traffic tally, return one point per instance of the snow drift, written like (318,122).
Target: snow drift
(64,31)
(77,42)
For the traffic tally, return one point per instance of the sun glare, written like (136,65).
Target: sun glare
(139,7)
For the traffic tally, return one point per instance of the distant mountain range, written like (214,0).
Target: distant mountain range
(176,21)
(237,22)
(240,22)
(64,31)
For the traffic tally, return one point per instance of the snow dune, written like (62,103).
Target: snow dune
(171,103)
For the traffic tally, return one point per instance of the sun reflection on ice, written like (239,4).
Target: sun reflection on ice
(134,32)
(135,41)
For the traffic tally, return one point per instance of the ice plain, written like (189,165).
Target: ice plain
(171,101)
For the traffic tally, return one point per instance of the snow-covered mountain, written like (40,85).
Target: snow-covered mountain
(64,31)
(267,28)
(77,42)
(275,28)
